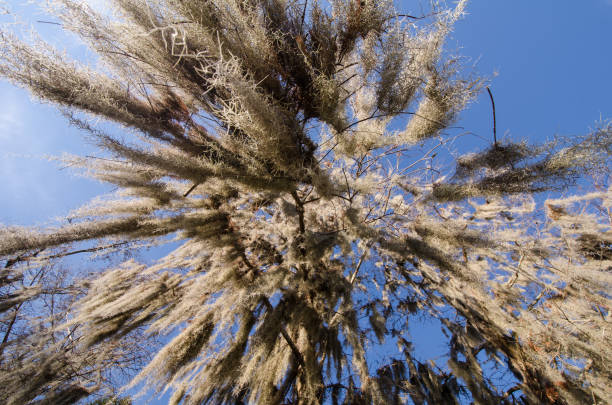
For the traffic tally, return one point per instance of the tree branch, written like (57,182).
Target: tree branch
(494,117)
(191,189)
(294,349)
(8,330)
(300,210)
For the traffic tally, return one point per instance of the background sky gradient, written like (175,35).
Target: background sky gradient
(548,61)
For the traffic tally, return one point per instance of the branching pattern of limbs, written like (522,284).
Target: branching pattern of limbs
(291,148)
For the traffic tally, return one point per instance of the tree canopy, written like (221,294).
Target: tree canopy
(287,147)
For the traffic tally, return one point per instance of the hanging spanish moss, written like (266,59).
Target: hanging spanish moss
(285,146)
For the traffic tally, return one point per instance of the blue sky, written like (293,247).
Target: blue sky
(548,61)
(553,61)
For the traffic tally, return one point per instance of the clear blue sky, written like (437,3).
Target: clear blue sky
(552,59)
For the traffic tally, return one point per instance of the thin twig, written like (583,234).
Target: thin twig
(537,299)
(328,152)
(373,116)
(354,275)
(191,189)
(90,250)
(348,187)
(494,117)
(18,259)
(413,17)
(108,160)
(439,213)
(48,22)
(516,275)
(303,14)
(352,279)
(8,330)
(511,391)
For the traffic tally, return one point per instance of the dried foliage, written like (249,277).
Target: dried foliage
(261,135)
